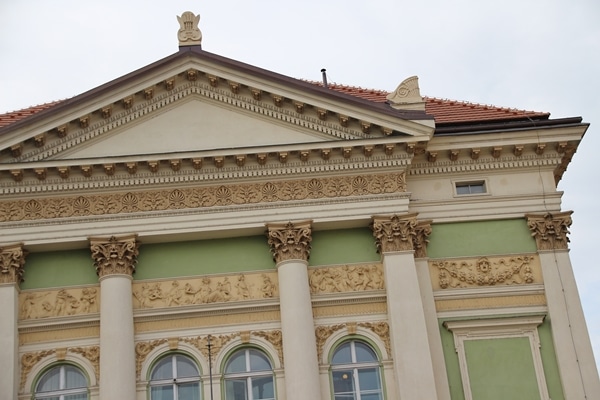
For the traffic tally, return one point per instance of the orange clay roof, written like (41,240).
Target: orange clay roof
(444,111)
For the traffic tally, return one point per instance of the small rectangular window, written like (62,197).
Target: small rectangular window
(477,187)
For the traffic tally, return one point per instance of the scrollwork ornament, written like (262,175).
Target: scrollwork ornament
(274,337)
(381,329)
(550,230)
(142,349)
(323,333)
(394,233)
(290,241)
(28,361)
(114,255)
(12,262)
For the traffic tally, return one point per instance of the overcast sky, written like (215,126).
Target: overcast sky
(541,55)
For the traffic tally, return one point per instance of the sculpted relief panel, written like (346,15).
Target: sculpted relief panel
(346,278)
(58,303)
(485,271)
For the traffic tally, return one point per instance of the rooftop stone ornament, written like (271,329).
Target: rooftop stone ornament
(189,34)
(407,95)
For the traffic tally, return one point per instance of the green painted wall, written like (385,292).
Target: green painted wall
(501,369)
(343,247)
(462,239)
(59,269)
(203,257)
(548,360)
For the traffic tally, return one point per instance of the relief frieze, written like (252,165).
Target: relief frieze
(58,303)
(205,290)
(346,278)
(201,197)
(485,271)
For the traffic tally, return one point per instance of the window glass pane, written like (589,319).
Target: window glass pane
(163,369)
(258,361)
(462,189)
(342,355)
(50,381)
(189,391)
(262,388)
(82,396)
(364,353)
(368,379)
(74,378)
(342,382)
(371,396)
(186,367)
(235,389)
(49,398)
(237,363)
(161,392)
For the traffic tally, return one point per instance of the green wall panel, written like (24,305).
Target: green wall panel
(59,269)
(203,257)
(555,390)
(501,369)
(343,247)
(462,239)
(452,364)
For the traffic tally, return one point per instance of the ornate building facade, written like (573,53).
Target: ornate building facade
(205,229)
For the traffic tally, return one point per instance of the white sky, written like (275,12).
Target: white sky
(541,55)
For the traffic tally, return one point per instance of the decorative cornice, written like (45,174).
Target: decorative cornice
(400,233)
(290,241)
(12,262)
(113,256)
(201,197)
(550,230)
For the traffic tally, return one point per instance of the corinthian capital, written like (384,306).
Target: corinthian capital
(114,255)
(290,241)
(550,230)
(398,233)
(12,261)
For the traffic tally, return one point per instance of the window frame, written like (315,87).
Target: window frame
(175,382)
(471,184)
(248,375)
(62,391)
(356,366)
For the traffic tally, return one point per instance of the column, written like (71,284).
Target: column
(12,261)
(290,246)
(572,345)
(115,259)
(395,238)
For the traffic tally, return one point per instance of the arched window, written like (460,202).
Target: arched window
(62,382)
(175,377)
(249,376)
(355,372)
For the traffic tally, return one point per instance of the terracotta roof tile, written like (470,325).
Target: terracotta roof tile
(444,111)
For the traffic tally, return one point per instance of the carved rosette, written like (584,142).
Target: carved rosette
(398,232)
(114,255)
(550,230)
(12,262)
(290,241)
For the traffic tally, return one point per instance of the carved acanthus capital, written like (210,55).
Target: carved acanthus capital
(421,238)
(290,241)
(12,262)
(397,232)
(114,255)
(550,230)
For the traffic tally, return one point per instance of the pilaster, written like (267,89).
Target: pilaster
(572,344)
(290,246)
(398,237)
(12,262)
(115,260)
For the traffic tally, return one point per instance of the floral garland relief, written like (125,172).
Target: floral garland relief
(485,271)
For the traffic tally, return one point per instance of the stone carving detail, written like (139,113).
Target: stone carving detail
(550,230)
(396,232)
(12,262)
(323,333)
(381,329)
(202,197)
(216,343)
(290,241)
(274,337)
(114,255)
(407,93)
(420,239)
(188,33)
(29,360)
(58,303)
(206,290)
(142,349)
(484,272)
(347,278)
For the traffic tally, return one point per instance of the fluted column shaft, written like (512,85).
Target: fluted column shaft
(572,344)
(397,238)
(115,259)
(12,260)
(290,245)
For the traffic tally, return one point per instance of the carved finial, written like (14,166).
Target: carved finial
(407,95)
(189,34)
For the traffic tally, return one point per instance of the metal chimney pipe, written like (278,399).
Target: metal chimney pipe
(324,72)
